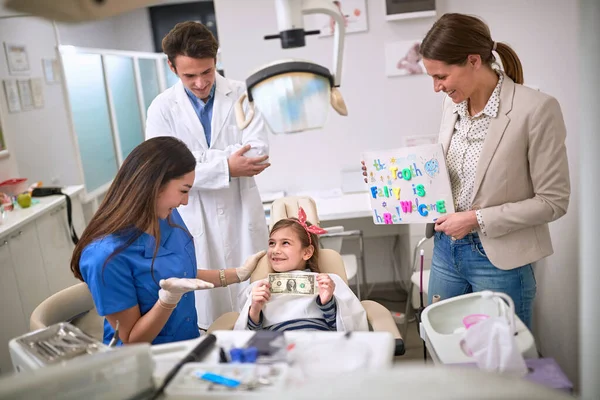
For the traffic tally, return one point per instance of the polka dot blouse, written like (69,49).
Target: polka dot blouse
(465,149)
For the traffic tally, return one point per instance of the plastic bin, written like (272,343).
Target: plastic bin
(13,187)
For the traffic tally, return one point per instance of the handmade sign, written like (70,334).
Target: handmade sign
(408,185)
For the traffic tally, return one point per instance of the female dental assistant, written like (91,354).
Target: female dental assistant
(137,256)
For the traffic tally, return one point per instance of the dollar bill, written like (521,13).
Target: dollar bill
(300,284)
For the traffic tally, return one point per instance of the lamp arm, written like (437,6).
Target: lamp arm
(327,7)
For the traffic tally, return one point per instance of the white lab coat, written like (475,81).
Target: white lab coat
(225,217)
(350,315)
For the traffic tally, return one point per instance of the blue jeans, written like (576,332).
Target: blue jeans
(461,266)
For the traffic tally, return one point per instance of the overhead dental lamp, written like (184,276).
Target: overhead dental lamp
(294,95)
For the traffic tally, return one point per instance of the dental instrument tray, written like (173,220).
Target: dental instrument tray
(210,380)
(52,345)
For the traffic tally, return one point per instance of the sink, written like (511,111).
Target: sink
(442,327)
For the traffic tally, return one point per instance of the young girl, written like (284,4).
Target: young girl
(293,249)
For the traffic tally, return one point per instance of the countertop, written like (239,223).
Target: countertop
(21,216)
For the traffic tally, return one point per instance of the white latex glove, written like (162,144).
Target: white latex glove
(249,266)
(173,288)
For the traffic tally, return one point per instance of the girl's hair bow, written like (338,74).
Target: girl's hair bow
(309,229)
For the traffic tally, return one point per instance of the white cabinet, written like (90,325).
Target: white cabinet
(12,320)
(56,247)
(35,254)
(28,266)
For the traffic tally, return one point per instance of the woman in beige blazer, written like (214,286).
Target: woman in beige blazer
(506,156)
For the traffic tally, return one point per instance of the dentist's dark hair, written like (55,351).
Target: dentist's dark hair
(190,39)
(129,207)
(454,37)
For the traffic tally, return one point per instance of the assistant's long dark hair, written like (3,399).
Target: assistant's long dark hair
(129,207)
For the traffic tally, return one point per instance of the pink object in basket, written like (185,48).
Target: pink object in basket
(472,319)
(13,187)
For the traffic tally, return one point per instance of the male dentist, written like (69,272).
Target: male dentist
(224,213)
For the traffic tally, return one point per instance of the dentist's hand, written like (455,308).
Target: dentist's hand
(249,266)
(173,288)
(240,165)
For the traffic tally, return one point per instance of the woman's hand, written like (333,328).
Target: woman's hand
(261,294)
(172,289)
(364,170)
(249,266)
(457,225)
(326,287)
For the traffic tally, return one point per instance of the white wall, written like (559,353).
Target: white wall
(384,109)
(32,154)
(129,31)
(589,315)
(8,164)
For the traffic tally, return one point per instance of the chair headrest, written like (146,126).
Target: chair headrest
(287,207)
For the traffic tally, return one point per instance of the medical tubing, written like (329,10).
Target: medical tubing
(196,354)
(421,279)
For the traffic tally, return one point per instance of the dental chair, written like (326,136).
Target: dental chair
(379,318)
(73,304)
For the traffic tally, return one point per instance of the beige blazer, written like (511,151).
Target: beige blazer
(522,178)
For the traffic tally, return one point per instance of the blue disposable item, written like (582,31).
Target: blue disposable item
(250,354)
(247,355)
(219,379)
(237,355)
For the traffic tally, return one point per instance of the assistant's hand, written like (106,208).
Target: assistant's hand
(240,165)
(172,289)
(326,287)
(457,225)
(249,266)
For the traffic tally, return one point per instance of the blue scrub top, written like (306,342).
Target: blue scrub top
(126,280)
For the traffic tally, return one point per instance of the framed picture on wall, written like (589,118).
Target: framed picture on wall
(403,58)
(355,17)
(2,142)
(16,58)
(406,9)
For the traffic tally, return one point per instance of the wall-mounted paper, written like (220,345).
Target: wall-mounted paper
(353,11)
(25,94)
(51,70)
(12,95)
(403,58)
(408,185)
(37,92)
(16,58)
